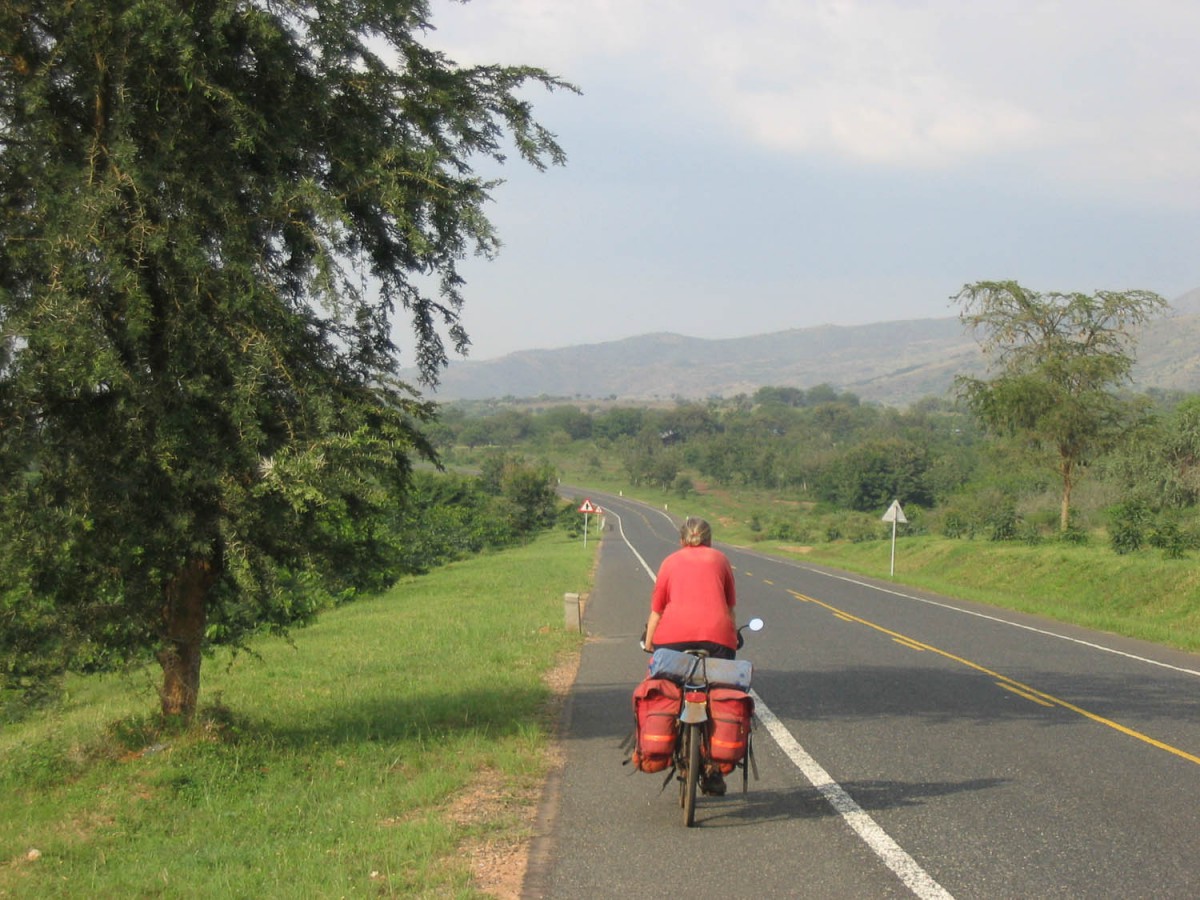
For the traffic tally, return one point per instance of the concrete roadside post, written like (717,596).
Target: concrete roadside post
(571,619)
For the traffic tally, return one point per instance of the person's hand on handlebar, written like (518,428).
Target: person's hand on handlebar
(648,632)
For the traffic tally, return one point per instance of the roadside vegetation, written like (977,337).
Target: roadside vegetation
(371,755)
(809,473)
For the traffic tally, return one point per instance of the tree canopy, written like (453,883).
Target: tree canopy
(1055,359)
(210,216)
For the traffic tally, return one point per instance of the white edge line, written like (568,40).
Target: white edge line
(881,843)
(621,528)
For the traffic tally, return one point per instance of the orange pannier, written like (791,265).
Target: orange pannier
(656,705)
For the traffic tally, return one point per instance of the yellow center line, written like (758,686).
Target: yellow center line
(1027,696)
(1004,681)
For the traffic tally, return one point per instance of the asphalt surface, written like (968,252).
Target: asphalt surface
(907,744)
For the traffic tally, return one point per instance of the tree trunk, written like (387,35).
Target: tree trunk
(184,619)
(1068,481)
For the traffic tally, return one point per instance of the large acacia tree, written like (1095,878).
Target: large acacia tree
(1055,360)
(210,214)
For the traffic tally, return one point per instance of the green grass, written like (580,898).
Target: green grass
(321,768)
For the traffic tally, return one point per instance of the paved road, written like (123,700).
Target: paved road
(908,745)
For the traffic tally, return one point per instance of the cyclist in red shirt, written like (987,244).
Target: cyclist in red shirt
(694,596)
(692,609)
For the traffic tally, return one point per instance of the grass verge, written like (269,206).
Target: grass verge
(340,764)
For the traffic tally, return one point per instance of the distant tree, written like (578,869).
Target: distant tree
(569,419)
(619,421)
(210,213)
(647,462)
(512,426)
(825,393)
(870,476)
(529,493)
(687,420)
(1056,360)
(1158,466)
(782,396)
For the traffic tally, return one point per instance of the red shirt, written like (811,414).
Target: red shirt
(694,593)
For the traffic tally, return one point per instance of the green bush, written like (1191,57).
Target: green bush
(1028,533)
(1127,524)
(954,525)
(1168,537)
(1074,535)
(1002,523)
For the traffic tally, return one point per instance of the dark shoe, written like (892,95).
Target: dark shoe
(712,784)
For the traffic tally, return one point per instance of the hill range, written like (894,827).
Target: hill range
(894,363)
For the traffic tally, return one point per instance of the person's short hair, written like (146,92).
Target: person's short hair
(695,532)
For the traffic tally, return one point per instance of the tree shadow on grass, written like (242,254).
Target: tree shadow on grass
(487,713)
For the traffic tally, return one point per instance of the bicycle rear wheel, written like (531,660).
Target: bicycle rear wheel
(691,779)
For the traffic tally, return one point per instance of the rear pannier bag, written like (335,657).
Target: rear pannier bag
(656,704)
(729,713)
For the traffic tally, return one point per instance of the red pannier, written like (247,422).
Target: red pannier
(729,713)
(656,704)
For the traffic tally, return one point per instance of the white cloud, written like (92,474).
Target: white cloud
(1086,92)
(736,168)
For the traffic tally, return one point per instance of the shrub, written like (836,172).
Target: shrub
(1127,527)
(1029,533)
(1168,537)
(1074,535)
(955,526)
(1002,523)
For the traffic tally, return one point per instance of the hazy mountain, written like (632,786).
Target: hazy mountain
(891,362)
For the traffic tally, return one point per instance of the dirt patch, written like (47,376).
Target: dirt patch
(796,548)
(498,863)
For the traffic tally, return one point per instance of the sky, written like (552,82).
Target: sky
(741,168)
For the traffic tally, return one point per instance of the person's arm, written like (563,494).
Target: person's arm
(659,598)
(651,627)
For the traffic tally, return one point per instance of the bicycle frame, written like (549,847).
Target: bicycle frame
(689,753)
